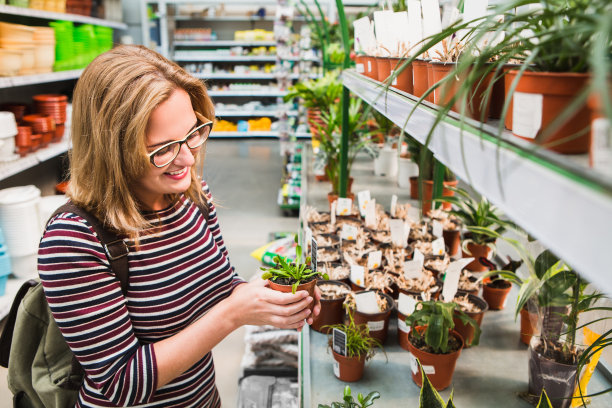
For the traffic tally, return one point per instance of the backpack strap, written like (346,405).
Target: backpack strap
(9,326)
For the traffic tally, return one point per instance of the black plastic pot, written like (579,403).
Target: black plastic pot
(559,380)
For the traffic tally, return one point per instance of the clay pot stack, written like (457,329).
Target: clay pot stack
(43,125)
(54,106)
(23,140)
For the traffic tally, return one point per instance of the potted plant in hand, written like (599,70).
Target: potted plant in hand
(349,402)
(287,276)
(360,347)
(434,342)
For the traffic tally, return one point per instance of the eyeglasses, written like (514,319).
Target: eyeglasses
(164,155)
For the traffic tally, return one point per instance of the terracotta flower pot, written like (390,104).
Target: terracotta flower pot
(403,332)
(550,93)
(308,286)
(348,369)
(360,64)
(430,82)
(414,187)
(496,297)
(403,82)
(443,364)
(559,380)
(331,310)
(428,194)
(452,239)
(466,330)
(444,93)
(498,93)
(371,67)
(419,74)
(382,68)
(528,325)
(476,251)
(474,103)
(378,323)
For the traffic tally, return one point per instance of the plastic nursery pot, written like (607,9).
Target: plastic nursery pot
(430,82)
(360,64)
(476,251)
(474,102)
(419,75)
(428,193)
(466,330)
(452,239)
(528,325)
(496,294)
(331,197)
(348,369)
(438,367)
(371,67)
(403,82)
(403,331)
(498,93)
(559,380)
(541,97)
(444,93)
(331,309)
(383,68)
(414,187)
(378,323)
(308,286)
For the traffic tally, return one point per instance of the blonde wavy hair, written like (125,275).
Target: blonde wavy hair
(112,103)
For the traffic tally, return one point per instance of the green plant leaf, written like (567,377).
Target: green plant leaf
(544,401)
(429,397)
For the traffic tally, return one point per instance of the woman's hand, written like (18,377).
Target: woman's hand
(255,304)
(317,308)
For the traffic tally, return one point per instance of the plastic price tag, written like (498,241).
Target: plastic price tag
(393,205)
(375,326)
(348,232)
(366,302)
(437,247)
(370,214)
(358,275)
(451,278)
(313,255)
(339,342)
(437,229)
(397,233)
(527,114)
(363,198)
(344,206)
(413,269)
(406,304)
(374,259)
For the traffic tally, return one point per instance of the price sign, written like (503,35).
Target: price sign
(339,342)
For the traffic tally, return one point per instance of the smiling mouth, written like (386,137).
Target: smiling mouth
(177,173)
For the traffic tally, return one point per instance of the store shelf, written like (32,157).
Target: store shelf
(222,43)
(505,170)
(222,18)
(246,77)
(195,57)
(8,169)
(267,134)
(11,82)
(253,113)
(259,94)
(49,15)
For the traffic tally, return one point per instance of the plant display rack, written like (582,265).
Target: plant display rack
(290,192)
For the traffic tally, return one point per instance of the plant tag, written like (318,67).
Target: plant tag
(393,205)
(437,228)
(344,206)
(370,214)
(527,114)
(451,278)
(397,233)
(339,342)
(406,304)
(429,370)
(402,326)
(601,150)
(363,198)
(366,302)
(313,255)
(336,369)
(348,232)
(415,24)
(359,68)
(358,275)
(406,230)
(307,235)
(414,367)
(369,66)
(437,247)
(332,213)
(374,259)
(413,269)
(375,326)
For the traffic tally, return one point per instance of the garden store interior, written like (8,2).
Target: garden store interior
(442,168)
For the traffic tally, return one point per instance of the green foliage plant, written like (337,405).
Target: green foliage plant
(437,318)
(321,93)
(296,271)
(349,402)
(358,340)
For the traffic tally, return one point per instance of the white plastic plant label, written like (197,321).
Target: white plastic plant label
(394,82)
(349,232)
(344,206)
(374,259)
(432,21)
(366,302)
(397,233)
(406,304)
(414,367)
(307,234)
(429,370)
(370,214)
(360,68)
(527,114)
(415,23)
(406,230)
(332,213)
(375,326)
(358,275)
(336,369)
(413,269)
(437,228)
(451,279)
(393,207)
(601,151)
(437,247)
(402,326)
(339,341)
(363,198)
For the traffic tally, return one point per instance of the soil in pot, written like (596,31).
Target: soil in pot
(439,367)
(428,193)
(476,251)
(419,73)
(473,306)
(333,294)
(403,82)
(378,323)
(496,293)
(348,369)
(284,285)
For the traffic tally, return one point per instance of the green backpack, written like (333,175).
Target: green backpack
(42,370)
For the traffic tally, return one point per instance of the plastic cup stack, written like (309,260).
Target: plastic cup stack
(8,131)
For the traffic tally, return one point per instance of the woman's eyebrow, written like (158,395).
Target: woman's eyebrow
(171,140)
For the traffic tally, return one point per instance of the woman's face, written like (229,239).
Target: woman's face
(170,121)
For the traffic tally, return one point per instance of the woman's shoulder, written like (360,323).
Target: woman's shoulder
(69,225)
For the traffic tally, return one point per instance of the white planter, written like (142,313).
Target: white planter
(386,162)
(406,169)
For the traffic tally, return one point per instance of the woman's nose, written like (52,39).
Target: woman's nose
(185,156)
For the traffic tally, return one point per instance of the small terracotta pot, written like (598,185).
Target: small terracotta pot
(403,331)
(477,251)
(430,82)
(371,67)
(420,81)
(444,93)
(475,99)
(443,364)
(495,297)
(452,239)
(360,64)
(403,82)
(349,369)
(558,91)
(378,323)
(331,197)
(428,194)
(308,286)
(382,68)
(59,132)
(331,310)
(466,330)
(414,187)
(528,325)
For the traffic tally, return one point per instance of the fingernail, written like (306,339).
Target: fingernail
(309,299)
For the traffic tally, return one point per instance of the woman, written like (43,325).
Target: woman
(138,126)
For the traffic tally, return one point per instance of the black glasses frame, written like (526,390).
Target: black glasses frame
(208,124)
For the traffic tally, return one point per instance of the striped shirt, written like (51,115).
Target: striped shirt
(179,271)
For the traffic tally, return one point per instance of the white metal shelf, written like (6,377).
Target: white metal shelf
(223,43)
(251,113)
(254,134)
(11,82)
(10,168)
(194,57)
(260,94)
(568,208)
(50,15)
(246,77)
